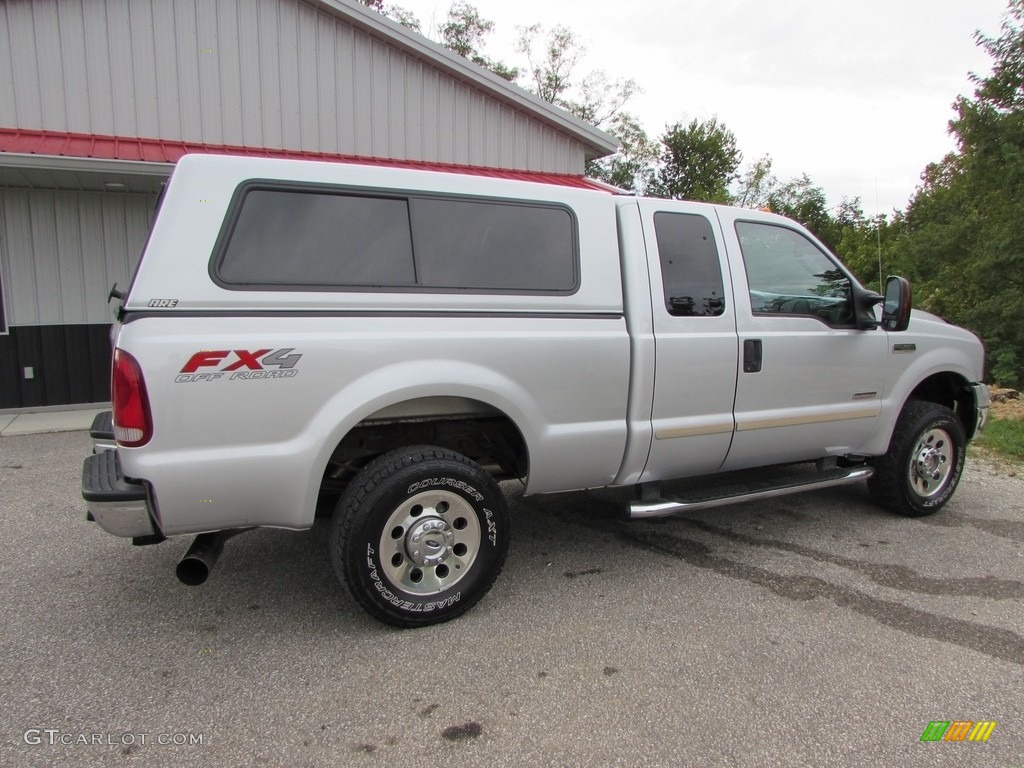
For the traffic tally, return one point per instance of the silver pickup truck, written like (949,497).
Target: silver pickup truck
(390,343)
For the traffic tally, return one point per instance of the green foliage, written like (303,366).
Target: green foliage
(551,69)
(802,200)
(963,245)
(698,162)
(868,246)
(1005,437)
(463,33)
(403,16)
(632,167)
(594,98)
(756,185)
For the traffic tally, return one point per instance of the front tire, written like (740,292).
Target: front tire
(419,536)
(924,463)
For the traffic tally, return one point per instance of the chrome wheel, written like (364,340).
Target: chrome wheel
(429,543)
(921,470)
(931,463)
(420,535)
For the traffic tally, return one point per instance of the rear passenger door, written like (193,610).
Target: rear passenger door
(695,337)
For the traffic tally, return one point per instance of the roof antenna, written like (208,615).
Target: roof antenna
(878,233)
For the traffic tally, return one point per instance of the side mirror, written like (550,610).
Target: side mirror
(896,309)
(864,303)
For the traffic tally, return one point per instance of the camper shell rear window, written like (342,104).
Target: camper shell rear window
(317,238)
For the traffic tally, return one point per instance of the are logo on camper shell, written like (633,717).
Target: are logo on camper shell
(232,364)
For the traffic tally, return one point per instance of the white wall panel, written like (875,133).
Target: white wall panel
(250,79)
(167,93)
(22,287)
(146,84)
(27,106)
(264,73)
(65,249)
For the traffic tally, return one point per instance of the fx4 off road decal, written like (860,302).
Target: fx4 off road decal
(232,364)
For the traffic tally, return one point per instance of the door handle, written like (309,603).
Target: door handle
(752,353)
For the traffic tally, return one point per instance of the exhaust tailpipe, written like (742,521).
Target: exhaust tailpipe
(197,563)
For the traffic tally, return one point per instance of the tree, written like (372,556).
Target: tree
(403,16)
(594,98)
(802,200)
(551,71)
(756,185)
(964,245)
(698,162)
(463,33)
(633,166)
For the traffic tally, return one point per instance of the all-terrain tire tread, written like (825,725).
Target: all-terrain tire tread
(359,494)
(887,485)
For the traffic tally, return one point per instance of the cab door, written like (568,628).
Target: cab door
(695,339)
(810,382)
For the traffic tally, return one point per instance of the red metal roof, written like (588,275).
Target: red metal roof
(52,143)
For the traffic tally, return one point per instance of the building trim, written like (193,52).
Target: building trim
(88,153)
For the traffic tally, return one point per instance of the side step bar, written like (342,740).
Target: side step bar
(720,497)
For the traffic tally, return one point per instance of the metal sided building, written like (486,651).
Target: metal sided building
(98,99)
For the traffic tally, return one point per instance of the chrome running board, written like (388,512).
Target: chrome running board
(720,497)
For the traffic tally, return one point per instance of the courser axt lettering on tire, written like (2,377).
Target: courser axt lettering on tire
(419,536)
(922,468)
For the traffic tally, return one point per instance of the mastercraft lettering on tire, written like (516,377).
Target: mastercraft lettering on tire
(386,345)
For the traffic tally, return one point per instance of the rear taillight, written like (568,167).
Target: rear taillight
(133,424)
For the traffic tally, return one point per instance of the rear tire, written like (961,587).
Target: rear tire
(419,536)
(924,463)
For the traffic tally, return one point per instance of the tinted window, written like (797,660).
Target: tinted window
(468,244)
(287,238)
(690,268)
(315,239)
(788,274)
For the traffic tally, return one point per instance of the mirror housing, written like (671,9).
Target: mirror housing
(896,309)
(864,303)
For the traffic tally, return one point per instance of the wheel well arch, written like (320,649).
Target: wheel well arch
(951,390)
(477,430)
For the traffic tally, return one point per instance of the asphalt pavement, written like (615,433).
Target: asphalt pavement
(813,630)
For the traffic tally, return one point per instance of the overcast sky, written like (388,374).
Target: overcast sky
(856,94)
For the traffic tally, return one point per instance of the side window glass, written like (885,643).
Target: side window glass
(690,267)
(302,239)
(320,239)
(789,275)
(493,246)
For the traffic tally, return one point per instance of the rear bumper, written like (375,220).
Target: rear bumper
(102,432)
(120,506)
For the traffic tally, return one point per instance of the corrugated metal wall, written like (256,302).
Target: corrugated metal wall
(270,73)
(61,252)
